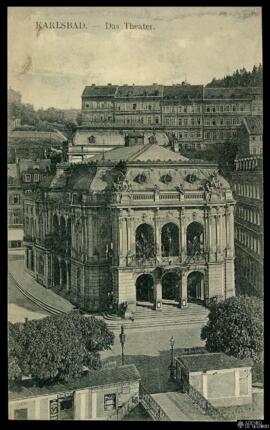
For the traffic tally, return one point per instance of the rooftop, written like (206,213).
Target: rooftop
(231,93)
(212,361)
(101,378)
(149,152)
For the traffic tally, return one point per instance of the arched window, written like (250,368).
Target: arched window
(55,225)
(145,245)
(170,240)
(195,239)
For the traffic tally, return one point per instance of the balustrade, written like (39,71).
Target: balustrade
(152,406)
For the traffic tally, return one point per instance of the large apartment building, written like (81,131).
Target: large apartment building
(192,116)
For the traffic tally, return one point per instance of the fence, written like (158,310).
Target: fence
(152,407)
(202,402)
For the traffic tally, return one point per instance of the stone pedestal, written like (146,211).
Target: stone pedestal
(183,292)
(157,296)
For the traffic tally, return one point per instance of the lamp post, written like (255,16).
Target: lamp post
(122,337)
(171,366)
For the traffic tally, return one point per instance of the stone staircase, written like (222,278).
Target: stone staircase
(170,315)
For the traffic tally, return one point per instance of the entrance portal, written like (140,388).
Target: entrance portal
(170,286)
(195,286)
(145,288)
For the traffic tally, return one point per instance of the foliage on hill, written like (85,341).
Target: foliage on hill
(41,119)
(240,78)
(56,348)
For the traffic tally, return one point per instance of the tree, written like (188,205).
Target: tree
(14,352)
(226,153)
(56,348)
(235,327)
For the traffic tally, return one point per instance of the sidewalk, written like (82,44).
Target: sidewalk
(32,288)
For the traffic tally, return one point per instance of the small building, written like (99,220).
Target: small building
(221,379)
(106,394)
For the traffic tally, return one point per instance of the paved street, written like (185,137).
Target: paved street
(19,307)
(149,351)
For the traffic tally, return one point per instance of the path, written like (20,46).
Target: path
(179,407)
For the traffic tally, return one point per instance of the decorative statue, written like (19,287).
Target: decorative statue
(167,242)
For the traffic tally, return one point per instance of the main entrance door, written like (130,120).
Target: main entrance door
(170,286)
(195,286)
(145,288)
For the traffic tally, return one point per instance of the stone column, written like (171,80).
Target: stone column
(158,234)
(212,235)
(183,239)
(202,288)
(157,295)
(68,280)
(229,231)
(218,234)
(122,241)
(183,291)
(60,272)
(46,270)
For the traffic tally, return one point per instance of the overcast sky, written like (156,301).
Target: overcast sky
(51,67)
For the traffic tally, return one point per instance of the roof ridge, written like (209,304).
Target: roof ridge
(140,151)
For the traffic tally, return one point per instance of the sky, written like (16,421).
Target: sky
(50,67)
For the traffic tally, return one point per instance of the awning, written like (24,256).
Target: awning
(15,234)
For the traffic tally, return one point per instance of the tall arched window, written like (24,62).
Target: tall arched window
(170,240)
(195,239)
(145,245)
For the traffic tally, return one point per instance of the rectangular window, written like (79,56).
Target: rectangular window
(36,177)
(21,414)
(27,178)
(109,402)
(134,106)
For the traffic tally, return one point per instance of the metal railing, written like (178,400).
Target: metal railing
(151,406)
(202,402)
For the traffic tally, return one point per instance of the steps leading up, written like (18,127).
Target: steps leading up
(169,316)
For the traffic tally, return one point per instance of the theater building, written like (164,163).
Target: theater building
(137,224)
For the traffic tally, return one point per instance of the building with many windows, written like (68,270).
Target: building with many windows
(137,224)
(247,181)
(23,178)
(190,116)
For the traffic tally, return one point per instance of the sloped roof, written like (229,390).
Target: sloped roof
(230,93)
(254,124)
(139,91)
(99,91)
(184,92)
(149,152)
(101,378)
(212,361)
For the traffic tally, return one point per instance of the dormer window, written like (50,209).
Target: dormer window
(92,139)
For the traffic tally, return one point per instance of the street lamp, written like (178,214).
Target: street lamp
(122,337)
(171,366)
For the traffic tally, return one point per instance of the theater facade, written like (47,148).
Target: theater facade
(137,224)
